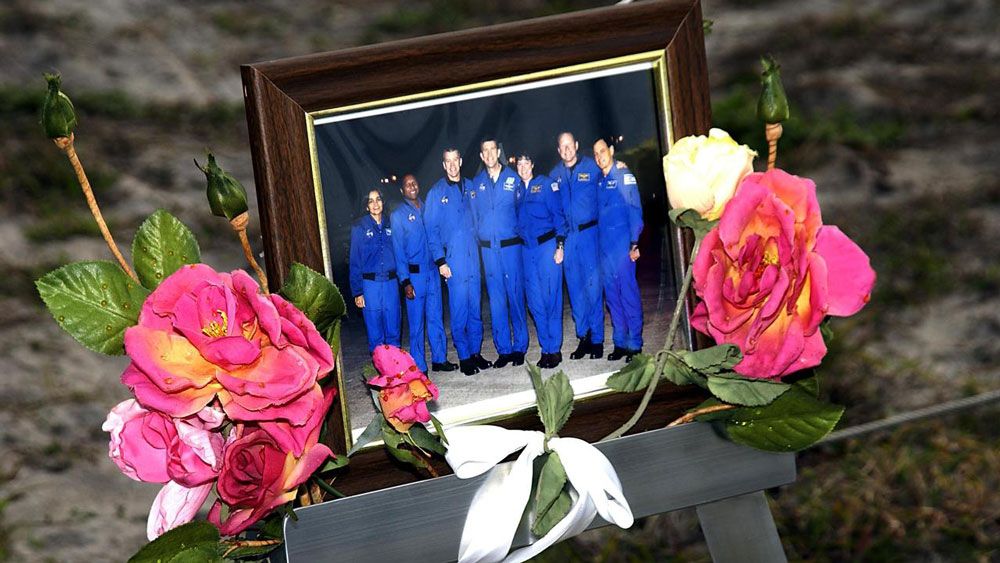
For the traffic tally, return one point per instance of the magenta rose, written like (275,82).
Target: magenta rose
(152,447)
(258,475)
(404,390)
(202,335)
(770,272)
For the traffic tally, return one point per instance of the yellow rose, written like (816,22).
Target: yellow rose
(702,172)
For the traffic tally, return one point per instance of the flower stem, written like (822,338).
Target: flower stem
(66,145)
(689,417)
(239,544)
(239,224)
(773,132)
(661,356)
(328,488)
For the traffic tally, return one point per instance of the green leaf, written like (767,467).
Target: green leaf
(371,433)
(172,542)
(390,435)
(314,295)
(162,245)
(439,428)
(425,440)
(635,376)
(737,390)
(713,360)
(693,220)
(555,403)
(535,373)
(93,301)
(810,384)
(794,421)
(273,526)
(332,335)
(198,554)
(679,373)
(407,456)
(334,463)
(552,500)
(551,481)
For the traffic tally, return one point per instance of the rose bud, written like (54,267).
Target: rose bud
(702,172)
(226,195)
(772,107)
(58,116)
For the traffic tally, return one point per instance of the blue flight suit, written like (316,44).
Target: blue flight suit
(619,222)
(373,274)
(452,240)
(578,188)
(542,224)
(415,267)
(494,208)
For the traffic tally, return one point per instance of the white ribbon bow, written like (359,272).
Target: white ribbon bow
(499,503)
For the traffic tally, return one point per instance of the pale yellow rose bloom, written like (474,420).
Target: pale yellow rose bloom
(702,173)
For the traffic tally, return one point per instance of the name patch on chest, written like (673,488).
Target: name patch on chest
(536,189)
(508,185)
(583,177)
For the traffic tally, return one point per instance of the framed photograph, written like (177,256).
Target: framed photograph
(486,199)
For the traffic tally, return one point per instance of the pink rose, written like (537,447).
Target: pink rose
(405,389)
(202,335)
(259,475)
(770,272)
(155,448)
(174,505)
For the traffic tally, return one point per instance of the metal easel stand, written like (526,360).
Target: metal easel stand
(661,471)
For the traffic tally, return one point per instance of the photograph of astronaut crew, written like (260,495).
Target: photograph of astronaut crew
(482,234)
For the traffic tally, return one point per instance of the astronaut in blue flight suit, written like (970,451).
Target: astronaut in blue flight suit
(577,176)
(419,278)
(452,242)
(619,223)
(542,225)
(373,274)
(494,199)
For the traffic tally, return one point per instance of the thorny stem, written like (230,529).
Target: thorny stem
(239,224)
(66,145)
(661,356)
(328,488)
(239,544)
(773,132)
(698,412)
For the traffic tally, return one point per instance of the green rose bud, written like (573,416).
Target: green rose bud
(226,196)
(58,117)
(772,106)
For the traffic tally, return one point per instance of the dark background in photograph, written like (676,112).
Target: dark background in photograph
(360,154)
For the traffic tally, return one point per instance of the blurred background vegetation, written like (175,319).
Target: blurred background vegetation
(894,114)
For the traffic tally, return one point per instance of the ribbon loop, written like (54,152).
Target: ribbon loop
(498,505)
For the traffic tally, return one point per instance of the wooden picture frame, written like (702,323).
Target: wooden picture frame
(283,96)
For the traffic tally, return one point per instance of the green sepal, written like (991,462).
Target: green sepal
(173,542)
(161,246)
(555,399)
(315,295)
(371,433)
(394,441)
(793,422)
(425,440)
(94,302)
(439,428)
(772,106)
(735,389)
(635,376)
(552,500)
(58,116)
(226,195)
(693,220)
(333,464)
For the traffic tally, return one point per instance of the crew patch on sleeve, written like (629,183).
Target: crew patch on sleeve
(555,186)
(629,180)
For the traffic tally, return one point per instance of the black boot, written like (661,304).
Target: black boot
(517,358)
(481,362)
(555,359)
(617,354)
(582,349)
(631,354)
(503,360)
(596,351)
(545,362)
(443,366)
(468,366)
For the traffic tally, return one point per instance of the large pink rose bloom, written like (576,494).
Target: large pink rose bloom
(770,272)
(202,334)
